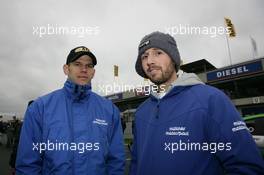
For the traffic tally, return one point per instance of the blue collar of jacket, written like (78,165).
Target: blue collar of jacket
(76,92)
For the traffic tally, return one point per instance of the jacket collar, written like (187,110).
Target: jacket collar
(77,92)
(183,81)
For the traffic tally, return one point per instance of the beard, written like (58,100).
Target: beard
(165,76)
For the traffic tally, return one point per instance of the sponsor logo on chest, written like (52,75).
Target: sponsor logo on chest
(177,131)
(100,122)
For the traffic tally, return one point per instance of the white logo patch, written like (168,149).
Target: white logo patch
(239,125)
(177,131)
(100,122)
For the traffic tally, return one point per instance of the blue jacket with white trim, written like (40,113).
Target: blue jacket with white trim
(193,130)
(71,131)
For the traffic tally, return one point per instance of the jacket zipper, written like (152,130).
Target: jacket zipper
(70,112)
(157,109)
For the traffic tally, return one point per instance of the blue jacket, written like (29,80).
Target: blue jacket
(193,130)
(71,131)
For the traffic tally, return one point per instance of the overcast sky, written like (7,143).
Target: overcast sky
(31,63)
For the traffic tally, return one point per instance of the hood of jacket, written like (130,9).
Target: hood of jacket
(184,79)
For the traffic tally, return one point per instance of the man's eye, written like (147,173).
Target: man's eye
(159,53)
(90,65)
(144,57)
(77,64)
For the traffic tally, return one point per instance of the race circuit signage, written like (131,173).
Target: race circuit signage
(235,71)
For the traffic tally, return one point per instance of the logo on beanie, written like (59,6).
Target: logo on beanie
(144,44)
(81,49)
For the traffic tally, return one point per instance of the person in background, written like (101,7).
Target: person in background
(123,122)
(13,155)
(1,130)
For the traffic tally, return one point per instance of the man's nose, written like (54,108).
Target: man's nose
(150,59)
(84,68)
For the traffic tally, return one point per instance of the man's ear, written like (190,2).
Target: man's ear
(66,69)
(93,73)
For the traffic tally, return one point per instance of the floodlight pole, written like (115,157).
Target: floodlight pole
(228,47)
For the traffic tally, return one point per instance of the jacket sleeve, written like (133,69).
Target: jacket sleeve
(236,149)
(133,165)
(116,154)
(29,159)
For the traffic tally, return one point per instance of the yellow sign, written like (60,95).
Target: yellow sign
(230,27)
(115,70)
